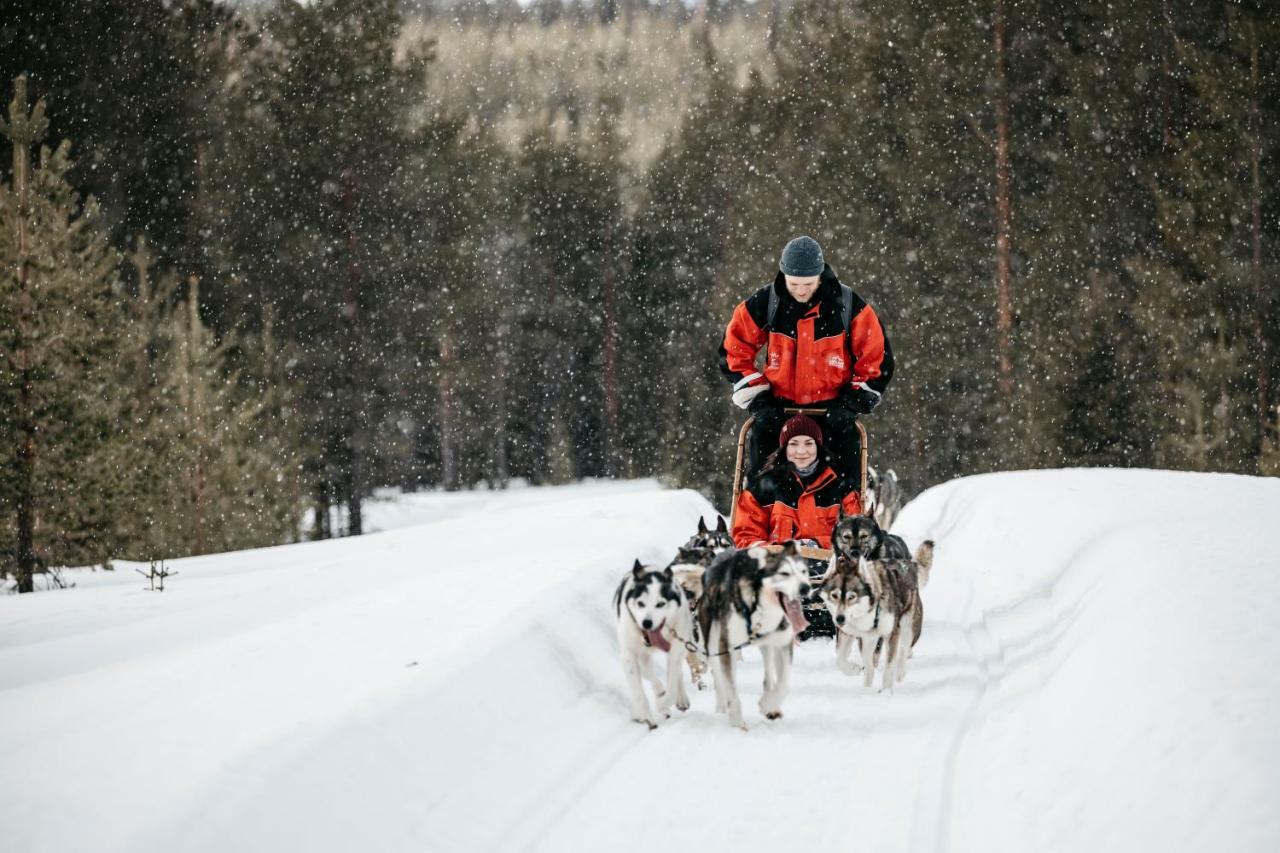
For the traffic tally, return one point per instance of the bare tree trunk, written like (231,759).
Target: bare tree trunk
(355,370)
(556,464)
(25,415)
(1166,78)
(1260,296)
(323,528)
(449,473)
(1004,265)
(501,466)
(355,501)
(611,443)
(195,409)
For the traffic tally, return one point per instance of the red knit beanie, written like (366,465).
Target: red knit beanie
(800,425)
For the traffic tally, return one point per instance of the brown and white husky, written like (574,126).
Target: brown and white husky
(875,605)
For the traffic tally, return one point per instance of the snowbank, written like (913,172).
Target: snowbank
(1126,687)
(1095,673)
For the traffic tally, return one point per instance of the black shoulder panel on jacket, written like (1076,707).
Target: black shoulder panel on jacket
(758,306)
(831,293)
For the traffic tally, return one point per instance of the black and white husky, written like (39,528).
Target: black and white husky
(653,615)
(876,607)
(752,597)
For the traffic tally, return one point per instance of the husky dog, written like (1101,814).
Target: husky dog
(884,496)
(690,561)
(653,614)
(707,543)
(876,603)
(688,568)
(857,536)
(752,597)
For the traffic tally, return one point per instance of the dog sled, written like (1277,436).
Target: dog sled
(814,611)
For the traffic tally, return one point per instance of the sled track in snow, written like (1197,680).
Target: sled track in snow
(1050,683)
(828,714)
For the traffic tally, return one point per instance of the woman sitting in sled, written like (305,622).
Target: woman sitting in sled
(797,494)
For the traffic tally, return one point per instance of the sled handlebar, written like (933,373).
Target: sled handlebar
(809,552)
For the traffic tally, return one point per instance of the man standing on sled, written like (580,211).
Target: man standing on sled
(825,349)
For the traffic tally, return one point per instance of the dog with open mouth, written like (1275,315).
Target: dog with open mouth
(876,606)
(752,597)
(653,616)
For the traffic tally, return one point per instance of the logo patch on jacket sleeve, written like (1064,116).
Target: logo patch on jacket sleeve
(836,361)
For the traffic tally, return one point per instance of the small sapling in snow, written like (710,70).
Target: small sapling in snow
(156,574)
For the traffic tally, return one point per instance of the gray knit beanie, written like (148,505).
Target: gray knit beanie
(802,257)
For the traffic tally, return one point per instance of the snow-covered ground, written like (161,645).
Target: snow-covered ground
(1097,672)
(389,509)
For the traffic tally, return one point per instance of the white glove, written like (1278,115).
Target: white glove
(748,389)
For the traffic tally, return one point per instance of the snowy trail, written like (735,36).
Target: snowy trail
(1092,675)
(528,747)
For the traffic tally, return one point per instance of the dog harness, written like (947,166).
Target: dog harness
(746,613)
(751,638)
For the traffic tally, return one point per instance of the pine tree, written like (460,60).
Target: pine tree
(129,81)
(61,348)
(1201,307)
(325,103)
(562,205)
(221,471)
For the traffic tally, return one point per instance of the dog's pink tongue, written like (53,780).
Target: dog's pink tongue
(656,638)
(795,614)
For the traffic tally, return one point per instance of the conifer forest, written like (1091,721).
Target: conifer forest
(264,258)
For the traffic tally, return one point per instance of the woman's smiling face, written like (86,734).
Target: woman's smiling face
(802,451)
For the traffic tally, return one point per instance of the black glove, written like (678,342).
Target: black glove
(769,415)
(764,400)
(841,420)
(859,401)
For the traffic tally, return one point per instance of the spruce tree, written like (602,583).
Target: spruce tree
(222,470)
(129,81)
(325,104)
(563,205)
(61,346)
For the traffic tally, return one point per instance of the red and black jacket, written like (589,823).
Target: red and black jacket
(811,358)
(779,505)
